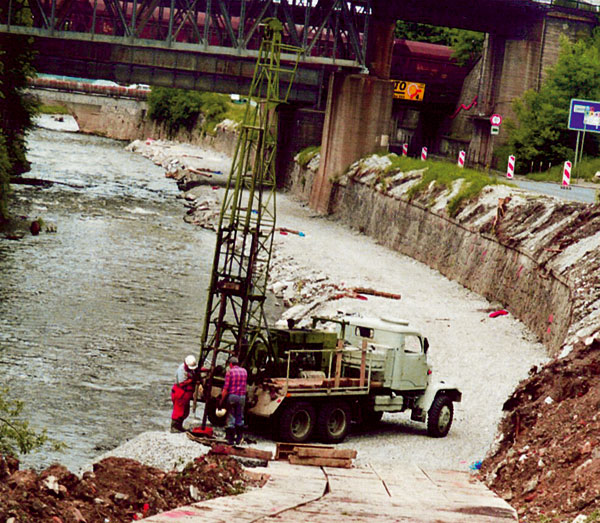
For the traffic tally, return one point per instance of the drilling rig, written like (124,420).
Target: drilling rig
(303,380)
(234,322)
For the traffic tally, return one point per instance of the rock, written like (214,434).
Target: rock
(587,447)
(119,496)
(531,485)
(583,466)
(26,479)
(51,483)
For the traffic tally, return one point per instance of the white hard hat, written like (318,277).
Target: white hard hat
(191,362)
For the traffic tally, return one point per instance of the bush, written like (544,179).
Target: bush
(16,436)
(181,109)
(5,170)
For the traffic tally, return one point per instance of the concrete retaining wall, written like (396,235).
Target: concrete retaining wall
(516,262)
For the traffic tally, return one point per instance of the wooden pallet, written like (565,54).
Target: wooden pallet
(315,455)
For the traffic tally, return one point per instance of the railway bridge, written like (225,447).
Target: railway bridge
(347,61)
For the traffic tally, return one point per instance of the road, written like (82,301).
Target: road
(575,193)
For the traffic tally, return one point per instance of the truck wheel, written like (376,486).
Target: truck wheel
(439,417)
(211,412)
(333,422)
(297,422)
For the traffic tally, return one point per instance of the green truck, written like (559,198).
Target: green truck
(350,369)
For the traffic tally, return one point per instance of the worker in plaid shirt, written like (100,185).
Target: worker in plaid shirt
(234,396)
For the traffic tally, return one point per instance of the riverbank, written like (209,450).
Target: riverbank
(307,274)
(539,255)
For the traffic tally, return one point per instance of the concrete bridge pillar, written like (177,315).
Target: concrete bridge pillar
(357,122)
(512,65)
(358,114)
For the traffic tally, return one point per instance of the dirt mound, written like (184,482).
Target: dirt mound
(547,462)
(118,489)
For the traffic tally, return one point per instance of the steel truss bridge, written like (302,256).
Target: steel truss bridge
(213,44)
(198,44)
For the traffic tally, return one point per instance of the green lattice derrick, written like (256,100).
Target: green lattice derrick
(234,319)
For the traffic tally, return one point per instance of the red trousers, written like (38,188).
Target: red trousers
(181,402)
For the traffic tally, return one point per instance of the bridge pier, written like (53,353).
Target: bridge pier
(357,123)
(358,114)
(512,65)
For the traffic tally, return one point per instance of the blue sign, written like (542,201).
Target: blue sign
(584,116)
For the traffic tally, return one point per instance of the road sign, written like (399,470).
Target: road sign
(494,129)
(496,119)
(584,115)
(404,90)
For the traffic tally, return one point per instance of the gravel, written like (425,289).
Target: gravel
(485,357)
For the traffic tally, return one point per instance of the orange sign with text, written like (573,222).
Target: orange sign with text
(409,90)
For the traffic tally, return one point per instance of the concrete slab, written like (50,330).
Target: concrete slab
(297,493)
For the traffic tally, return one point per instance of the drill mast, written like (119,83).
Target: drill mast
(234,320)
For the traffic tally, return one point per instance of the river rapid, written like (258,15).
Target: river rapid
(95,318)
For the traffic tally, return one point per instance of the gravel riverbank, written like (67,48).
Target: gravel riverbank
(485,357)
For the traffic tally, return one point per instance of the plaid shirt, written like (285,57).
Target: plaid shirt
(235,381)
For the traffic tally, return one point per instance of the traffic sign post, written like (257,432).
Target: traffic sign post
(584,115)
(510,168)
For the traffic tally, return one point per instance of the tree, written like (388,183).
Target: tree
(541,133)
(16,110)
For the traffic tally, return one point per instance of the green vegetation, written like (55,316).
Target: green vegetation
(52,109)
(16,436)
(441,174)
(467,45)
(541,134)
(16,110)
(585,170)
(181,109)
(307,154)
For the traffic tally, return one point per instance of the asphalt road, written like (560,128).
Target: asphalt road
(576,193)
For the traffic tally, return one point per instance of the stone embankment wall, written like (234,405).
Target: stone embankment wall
(537,256)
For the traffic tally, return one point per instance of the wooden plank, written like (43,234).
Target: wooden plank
(304,452)
(283,450)
(363,362)
(338,363)
(321,462)
(244,452)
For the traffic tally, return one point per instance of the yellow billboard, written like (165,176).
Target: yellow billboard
(404,90)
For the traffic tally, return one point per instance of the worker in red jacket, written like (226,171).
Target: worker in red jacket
(182,392)
(234,396)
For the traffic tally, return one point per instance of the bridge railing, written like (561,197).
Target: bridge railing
(576,5)
(334,29)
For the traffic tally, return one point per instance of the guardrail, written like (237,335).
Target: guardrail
(332,384)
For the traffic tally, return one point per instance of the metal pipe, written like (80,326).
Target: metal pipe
(207,22)
(171,16)
(52,17)
(133,17)
(94,18)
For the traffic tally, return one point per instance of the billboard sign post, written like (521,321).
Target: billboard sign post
(584,115)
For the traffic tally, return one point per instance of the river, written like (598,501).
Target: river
(95,318)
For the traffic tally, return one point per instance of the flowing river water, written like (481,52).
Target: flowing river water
(95,318)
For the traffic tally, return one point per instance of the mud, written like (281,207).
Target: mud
(118,489)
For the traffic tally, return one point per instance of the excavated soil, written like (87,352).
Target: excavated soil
(547,458)
(118,489)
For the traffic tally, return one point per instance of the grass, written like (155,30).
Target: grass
(442,174)
(307,154)
(52,109)
(585,171)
